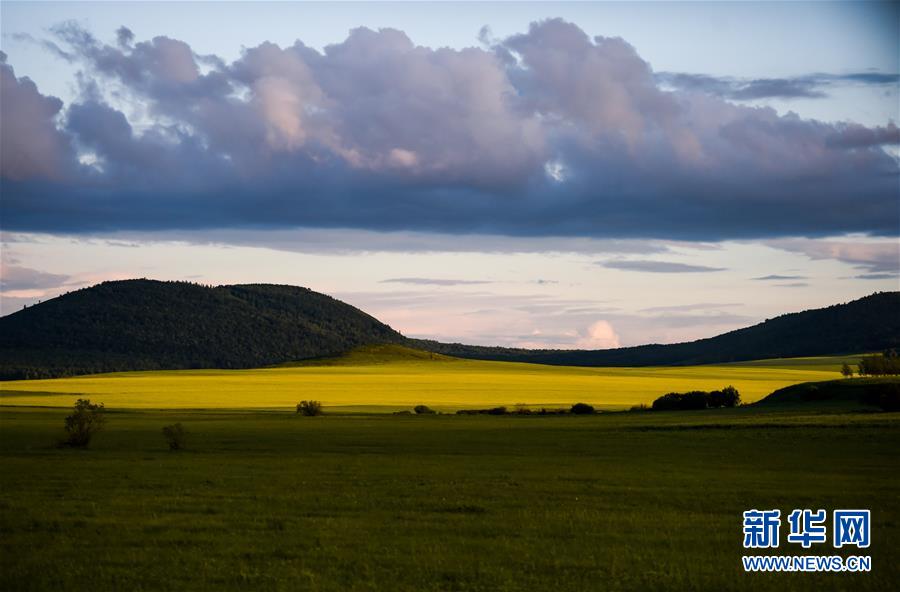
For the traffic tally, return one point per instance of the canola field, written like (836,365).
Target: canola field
(389,378)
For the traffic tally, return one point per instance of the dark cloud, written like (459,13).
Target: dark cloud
(811,86)
(31,144)
(433,281)
(658,266)
(877,276)
(780,277)
(124,36)
(546,133)
(793,285)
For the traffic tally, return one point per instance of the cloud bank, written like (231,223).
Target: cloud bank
(811,86)
(545,133)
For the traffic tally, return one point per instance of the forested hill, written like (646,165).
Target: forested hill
(865,325)
(147,325)
(150,325)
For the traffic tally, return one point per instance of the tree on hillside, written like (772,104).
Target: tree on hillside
(846,370)
(880,364)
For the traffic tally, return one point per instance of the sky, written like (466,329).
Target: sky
(566,175)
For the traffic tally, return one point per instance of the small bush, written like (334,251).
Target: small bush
(423,410)
(497,411)
(641,407)
(176,436)
(86,420)
(309,408)
(581,409)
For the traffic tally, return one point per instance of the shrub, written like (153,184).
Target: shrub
(176,436)
(497,411)
(309,408)
(641,407)
(846,370)
(581,409)
(86,420)
(423,410)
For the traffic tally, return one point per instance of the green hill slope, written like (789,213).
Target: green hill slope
(146,325)
(850,393)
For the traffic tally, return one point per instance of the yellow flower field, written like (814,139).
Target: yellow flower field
(391,378)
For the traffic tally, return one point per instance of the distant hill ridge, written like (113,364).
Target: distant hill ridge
(868,324)
(151,325)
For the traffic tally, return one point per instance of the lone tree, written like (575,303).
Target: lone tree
(309,408)
(846,370)
(86,420)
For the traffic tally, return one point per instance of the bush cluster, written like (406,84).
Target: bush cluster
(576,409)
(309,408)
(727,397)
(491,411)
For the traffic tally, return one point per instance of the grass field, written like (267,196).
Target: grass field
(272,501)
(390,378)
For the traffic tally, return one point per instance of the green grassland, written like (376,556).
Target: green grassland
(392,377)
(267,500)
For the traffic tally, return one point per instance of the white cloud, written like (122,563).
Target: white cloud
(599,335)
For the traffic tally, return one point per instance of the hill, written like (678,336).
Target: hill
(151,325)
(869,324)
(851,393)
(148,325)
